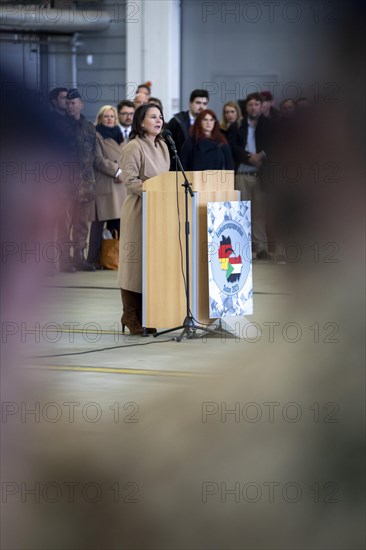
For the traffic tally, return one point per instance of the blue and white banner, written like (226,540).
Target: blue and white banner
(229,259)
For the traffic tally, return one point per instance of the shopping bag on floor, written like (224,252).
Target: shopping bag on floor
(110,250)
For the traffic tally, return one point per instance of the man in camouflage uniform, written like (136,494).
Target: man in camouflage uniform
(80,185)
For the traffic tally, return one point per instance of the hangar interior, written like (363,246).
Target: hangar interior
(249,438)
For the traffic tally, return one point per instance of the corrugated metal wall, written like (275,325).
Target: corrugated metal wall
(95,62)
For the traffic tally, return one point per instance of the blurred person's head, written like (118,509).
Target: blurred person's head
(287,107)
(144,89)
(74,103)
(230,113)
(253,106)
(302,103)
(126,110)
(107,115)
(198,101)
(140,99)
(267,103)
(57,98)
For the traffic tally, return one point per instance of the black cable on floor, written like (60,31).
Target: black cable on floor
(101,349)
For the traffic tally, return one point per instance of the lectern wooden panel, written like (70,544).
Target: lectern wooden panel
(164,301)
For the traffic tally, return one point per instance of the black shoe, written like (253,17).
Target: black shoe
(262,255)
(67,268)
(84,266)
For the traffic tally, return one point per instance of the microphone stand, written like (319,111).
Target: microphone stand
(189,327)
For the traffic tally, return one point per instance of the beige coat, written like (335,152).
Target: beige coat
(109,194)
(141,160)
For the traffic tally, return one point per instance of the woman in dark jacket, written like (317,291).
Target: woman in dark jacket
(206,148)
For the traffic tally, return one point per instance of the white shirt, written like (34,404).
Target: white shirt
(250,148)
(125,132)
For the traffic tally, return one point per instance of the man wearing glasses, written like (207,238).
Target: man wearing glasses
(125,110)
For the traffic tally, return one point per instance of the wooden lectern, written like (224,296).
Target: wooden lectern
(163,287)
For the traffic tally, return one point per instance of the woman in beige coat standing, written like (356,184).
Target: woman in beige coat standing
(110,192)
(145,156)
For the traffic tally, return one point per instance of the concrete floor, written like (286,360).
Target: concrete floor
(163,419)
(81,329)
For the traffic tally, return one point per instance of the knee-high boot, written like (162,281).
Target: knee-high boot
(131,312)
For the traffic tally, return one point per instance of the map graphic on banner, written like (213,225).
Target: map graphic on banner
(229,259)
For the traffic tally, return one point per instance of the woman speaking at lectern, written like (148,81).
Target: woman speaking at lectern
(145,156)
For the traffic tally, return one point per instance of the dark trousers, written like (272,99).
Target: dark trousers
(96,235)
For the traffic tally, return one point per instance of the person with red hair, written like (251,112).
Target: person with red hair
(206,148)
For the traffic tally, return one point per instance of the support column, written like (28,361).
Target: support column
(153,50)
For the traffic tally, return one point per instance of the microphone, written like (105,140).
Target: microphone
(168,136)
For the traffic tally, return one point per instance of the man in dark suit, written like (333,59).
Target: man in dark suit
(181,122)
(250,142)
(125,110)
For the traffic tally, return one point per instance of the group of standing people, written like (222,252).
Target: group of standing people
(125,147)
(199,139)
(92,190)
(111,160)
(244,141)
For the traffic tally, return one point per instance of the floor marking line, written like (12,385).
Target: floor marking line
(110,370)
(117,288)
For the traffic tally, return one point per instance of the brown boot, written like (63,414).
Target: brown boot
(130,318)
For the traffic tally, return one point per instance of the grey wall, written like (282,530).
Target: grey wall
(45,61)
(229,48)
(234,48)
